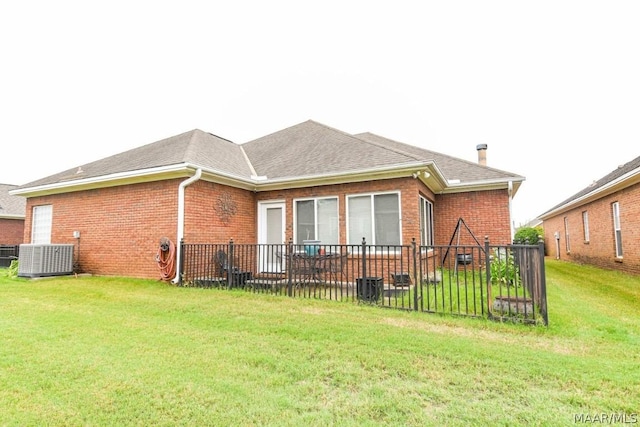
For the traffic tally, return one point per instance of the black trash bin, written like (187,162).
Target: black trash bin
(369,288)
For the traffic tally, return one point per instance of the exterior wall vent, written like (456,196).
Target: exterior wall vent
(45,260)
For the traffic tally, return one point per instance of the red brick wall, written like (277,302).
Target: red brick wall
(600,249)
(409,202)
(121,226)
(216,213)
(486,213)
(11,231)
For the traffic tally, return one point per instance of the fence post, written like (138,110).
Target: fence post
(289,268)
(182,268)
(543,283)
(487,262)
(364,260)
(415,275)
(230,265)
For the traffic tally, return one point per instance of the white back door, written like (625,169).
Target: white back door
(271,236)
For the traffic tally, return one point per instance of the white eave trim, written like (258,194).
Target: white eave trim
(483,185)
(142,175)
(618,184)
(254,183)
(435,181)
(360,175)
(11,216)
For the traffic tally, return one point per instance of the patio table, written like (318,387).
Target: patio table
(312,268)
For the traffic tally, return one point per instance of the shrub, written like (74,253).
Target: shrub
(13,269)
(528,236)
(504,270)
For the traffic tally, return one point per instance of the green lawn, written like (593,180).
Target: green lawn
(109,351)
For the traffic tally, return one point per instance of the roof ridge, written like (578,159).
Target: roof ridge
(594,186)
(191,148)
(438,153)
(377,144)
(246,158)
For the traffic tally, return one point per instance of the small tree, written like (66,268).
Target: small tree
(528,235)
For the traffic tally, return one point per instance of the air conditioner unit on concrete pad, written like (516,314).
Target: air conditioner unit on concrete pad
(39,260)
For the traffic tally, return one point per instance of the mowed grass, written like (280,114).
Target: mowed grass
(113,351)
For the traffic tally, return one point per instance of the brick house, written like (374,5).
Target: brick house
(600,224)
(308,181)
(12,215)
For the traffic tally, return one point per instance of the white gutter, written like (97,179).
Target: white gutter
(619,183)
(10,216)
(510,210)
(254,183)
(181,208)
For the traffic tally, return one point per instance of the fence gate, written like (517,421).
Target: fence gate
(517,283)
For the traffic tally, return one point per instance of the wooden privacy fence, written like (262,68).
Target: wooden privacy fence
(503,282)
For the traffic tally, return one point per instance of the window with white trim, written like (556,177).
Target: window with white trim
(585,225)
(374,217)
(317,219)
(617,230)
(426,222)
(41,225)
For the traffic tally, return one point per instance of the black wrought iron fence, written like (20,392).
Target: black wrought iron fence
(500,282)
(8,253)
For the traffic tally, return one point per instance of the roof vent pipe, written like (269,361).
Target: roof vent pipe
(482,154)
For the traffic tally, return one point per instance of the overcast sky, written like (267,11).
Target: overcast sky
(552,87)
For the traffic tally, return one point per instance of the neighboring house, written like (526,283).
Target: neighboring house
(12,213)
(599,225)
(308,181)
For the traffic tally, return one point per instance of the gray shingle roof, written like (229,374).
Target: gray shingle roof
(11,206)
(311,148)
(306,149)
(451,167)
(195,147)
(619,172)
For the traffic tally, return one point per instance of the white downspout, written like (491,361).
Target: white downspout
(180,235)
(510,209)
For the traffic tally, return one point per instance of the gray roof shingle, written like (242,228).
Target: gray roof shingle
(194,147)
(451,167)
(11,206)
(596,185)
(311,148)
(306,149)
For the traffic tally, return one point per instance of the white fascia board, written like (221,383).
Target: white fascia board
(129,177)
(483,185)
(180,170)
(394,171)
(622,182)
(11,216)
(436,179)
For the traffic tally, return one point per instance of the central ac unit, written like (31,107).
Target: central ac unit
(39,260)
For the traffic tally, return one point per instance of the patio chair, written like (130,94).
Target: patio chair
(221,262)
(223,269)
(401,280)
